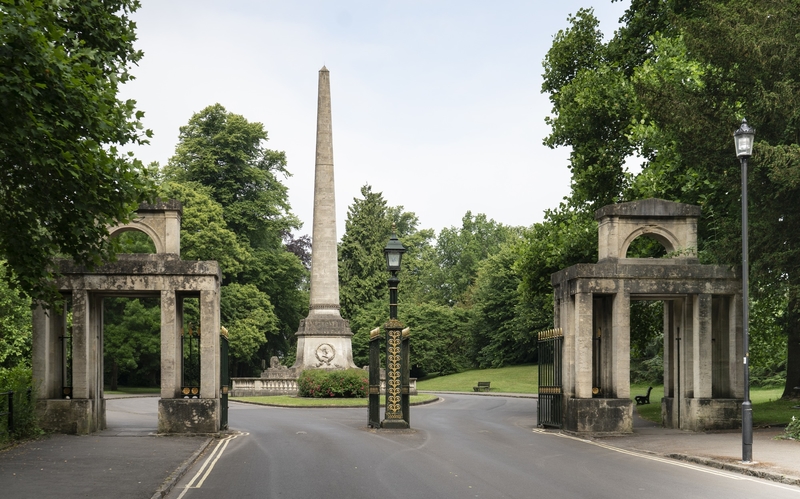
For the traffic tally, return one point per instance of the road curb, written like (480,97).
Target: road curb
(737,468)
(176,475)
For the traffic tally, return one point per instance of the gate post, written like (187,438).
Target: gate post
(224,378)
(373,412)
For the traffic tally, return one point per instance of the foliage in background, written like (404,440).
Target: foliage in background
(15,322)
(132,341)
(63,179)
(362,266)
(767,338)
(504,324)
(321,383)
(19,380)
(236,211)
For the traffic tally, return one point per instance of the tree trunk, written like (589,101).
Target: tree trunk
(793,350)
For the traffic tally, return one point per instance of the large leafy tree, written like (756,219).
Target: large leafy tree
(15,323)
(362,268)
(237,212)
(225,152)
(460,250)
(63,179)
(503,322)
(670,87)
(132,341)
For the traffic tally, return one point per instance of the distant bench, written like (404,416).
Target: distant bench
(643,399)
(483,386)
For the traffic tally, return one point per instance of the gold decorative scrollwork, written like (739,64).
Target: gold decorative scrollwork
(393,398)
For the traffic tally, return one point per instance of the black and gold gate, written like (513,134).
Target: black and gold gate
(550,412)
(224,378)
(190,353)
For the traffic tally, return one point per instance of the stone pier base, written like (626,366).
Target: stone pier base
(188,415)
(71,416)
(702,414)
(598,417)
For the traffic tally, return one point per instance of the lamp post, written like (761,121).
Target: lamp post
(396,362)
(743,139)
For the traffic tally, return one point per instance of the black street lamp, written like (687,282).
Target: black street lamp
(396,415)
(743,139)
(394,256)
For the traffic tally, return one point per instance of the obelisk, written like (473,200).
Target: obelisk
(323,338)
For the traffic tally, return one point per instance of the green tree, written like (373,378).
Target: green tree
(459,252)
(225,152)
(15,323)
(222,156)
(504,323)
(670,87)
(250,318)
(440,339)
(362,267)
(204,232)
(132,341)
(63,180)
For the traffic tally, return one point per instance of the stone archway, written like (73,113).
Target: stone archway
(164,275)
(702,324)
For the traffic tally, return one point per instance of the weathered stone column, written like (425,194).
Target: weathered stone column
(621,344)
(583,345)
(567,323)
(171,325)
(735,345)
(81,345)
(209,344)
(48,327)
(701,348)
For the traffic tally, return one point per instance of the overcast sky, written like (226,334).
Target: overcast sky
(436,104)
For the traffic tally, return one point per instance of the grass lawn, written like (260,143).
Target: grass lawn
(768,409)
(514,379)
(292,401)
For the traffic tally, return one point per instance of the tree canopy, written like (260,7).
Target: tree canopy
(63,179)
(236,211)
(667,90)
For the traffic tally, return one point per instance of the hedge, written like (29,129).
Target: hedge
(321,383)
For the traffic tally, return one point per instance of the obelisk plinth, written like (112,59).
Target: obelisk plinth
(323,338)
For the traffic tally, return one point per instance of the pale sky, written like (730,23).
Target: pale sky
(437,104)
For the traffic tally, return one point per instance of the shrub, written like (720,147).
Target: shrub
(648,370)
(19,380)
(319,383)
(792,431)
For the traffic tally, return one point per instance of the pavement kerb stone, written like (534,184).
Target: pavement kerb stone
(737,468)
(176,475)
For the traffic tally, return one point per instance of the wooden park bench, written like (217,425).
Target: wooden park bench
(483,386)
(643,399)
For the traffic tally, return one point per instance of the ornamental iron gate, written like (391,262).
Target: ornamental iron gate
(224,378)
(66,366)
(550,367)
(190,348)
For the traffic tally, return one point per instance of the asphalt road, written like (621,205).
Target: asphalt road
(462,447)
